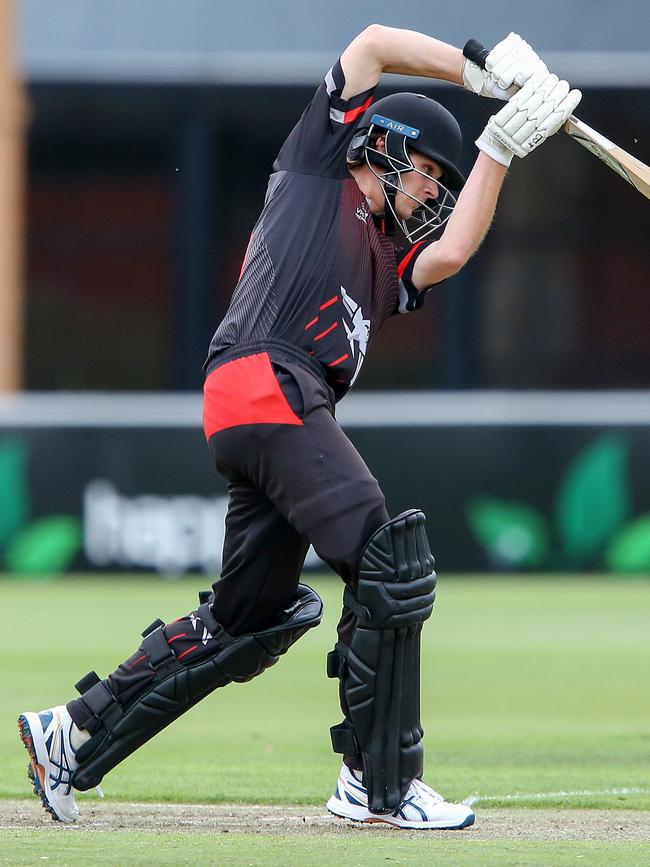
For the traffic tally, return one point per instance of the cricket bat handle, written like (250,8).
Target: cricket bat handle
(477,53)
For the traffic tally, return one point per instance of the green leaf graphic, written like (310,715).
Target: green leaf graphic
(629,550)
(593,500)
(513,533)
(48,545)
(13,489)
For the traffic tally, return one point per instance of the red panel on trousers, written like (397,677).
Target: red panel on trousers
(244,391)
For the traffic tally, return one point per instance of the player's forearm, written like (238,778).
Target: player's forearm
(407,52)
(466,227)
(475,207)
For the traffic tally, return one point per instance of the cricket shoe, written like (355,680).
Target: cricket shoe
(421,807)
(46,736)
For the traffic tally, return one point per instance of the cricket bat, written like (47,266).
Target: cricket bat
(628,167)
(633,170)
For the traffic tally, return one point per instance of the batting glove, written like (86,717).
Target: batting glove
(529,118)
(510,64)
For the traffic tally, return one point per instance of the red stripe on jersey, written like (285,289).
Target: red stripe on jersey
(327,331)
(401,267)
(139,659)
(354,113)
(185,652)
(329,303)
(243,262)
(180,635)
(313,322)
(244,391)
(338,360)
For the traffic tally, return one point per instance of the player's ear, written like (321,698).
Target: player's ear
(380,144)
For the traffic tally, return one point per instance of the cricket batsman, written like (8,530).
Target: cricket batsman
(366,211)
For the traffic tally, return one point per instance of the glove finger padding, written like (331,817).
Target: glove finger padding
(517,68)
(482,80)
(501,49)
(515,107)
(527,113)
(536,109)
(531,116)
(561,113)
(512,62)
(527,72)
(537,116)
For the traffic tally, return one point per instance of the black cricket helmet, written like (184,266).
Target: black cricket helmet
(410,121)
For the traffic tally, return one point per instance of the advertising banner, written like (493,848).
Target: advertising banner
(497,497)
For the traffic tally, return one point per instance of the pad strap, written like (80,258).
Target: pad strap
(343,739)
(156,647)
(177,686)
(101,706)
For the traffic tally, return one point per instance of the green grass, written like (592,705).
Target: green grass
(122,847)
(531,687)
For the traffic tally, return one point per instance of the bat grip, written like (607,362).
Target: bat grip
(476,52)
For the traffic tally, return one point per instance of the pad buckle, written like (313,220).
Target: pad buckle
(344,741)
(335,664)
(87,681)
(157,622)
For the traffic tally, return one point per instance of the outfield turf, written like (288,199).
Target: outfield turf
(123,847)
(535,693)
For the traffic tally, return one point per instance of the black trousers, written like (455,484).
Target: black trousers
(290,485)
(294,478)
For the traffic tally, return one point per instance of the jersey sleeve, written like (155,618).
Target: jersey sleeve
(318,143)
(409,298)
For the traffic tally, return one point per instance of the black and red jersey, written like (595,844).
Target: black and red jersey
(318,272)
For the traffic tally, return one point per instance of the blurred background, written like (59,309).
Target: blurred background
(136,140)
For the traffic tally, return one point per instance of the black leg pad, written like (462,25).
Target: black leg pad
(379,669)
(177,686)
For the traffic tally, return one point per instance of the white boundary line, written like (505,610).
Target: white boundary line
(542,796)
(368,409)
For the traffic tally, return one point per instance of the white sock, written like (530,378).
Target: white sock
(358,775)
(78,737)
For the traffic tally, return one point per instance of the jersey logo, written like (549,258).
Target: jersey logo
(362,214)
(358,331)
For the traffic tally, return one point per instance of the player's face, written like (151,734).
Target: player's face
(420,184)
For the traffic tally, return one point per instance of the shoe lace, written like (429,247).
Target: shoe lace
(422,789)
